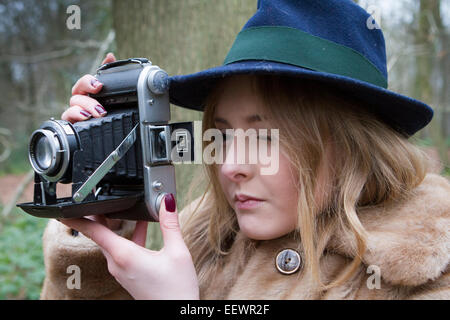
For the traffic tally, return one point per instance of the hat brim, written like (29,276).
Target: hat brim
(403,113)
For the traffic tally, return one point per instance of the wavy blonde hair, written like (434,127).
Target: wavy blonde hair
(371,164)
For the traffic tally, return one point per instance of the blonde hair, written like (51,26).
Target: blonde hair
(372,164)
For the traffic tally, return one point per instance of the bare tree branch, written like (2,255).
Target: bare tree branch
(412,50)
(102,51)
(12,203)
(41,57)
(80,44)
(5,143)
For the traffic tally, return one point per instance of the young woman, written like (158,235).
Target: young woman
(351,213)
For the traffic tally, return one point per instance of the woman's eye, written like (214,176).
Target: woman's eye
(225,136)
(264,137)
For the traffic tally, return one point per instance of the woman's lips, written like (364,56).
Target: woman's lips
(245,202)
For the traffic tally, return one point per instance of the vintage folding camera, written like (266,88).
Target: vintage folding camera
(120,165)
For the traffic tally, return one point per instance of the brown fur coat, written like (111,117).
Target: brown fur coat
(408,246)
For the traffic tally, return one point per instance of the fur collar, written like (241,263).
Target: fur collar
(409,241)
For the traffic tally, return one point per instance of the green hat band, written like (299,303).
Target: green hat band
(295,47)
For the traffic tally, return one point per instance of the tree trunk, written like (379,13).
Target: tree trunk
(181,37)
(443,63)
(428,18)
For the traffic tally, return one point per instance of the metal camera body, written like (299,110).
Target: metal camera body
(119,165)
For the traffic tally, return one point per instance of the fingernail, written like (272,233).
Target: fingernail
(100,109)
(95,83)
(169,201)
(85,114)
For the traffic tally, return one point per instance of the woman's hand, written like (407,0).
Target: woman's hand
(83,107)
(146,274)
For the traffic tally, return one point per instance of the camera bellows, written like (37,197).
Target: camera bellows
(99,137)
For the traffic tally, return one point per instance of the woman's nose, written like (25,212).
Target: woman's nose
(235,166)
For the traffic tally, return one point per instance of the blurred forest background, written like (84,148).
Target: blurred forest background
(41,58)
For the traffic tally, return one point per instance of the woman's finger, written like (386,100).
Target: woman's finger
(75,114)
(109,58)
(140,233)
(86,84)
(89,104)
(104,237)
(170,227)
(100,218)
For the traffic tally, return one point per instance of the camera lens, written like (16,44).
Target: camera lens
(43,152)
(49,149)
(44,155)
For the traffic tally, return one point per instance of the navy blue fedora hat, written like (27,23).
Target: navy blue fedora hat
(322,40)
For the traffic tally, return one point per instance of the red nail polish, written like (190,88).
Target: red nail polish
(85,114)
(95,83)
(169,201)
(100,109)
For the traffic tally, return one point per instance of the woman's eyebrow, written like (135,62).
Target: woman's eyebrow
(249,119)
(221,120)
(253,118)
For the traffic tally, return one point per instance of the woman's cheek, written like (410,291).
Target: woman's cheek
(284,191)
(224,183)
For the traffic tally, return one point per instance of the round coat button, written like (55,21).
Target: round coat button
(288,261)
